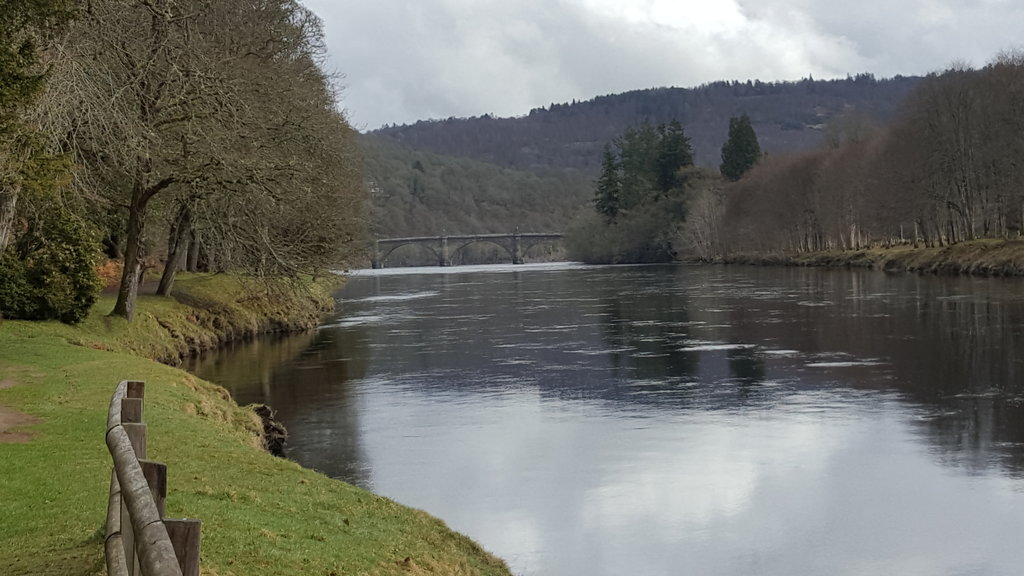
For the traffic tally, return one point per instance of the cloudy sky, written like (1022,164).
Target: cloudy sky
(407,60)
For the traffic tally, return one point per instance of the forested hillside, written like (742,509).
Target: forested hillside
(788,116)
(414,192)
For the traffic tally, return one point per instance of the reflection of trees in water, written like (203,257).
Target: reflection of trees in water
(315,398)
(746,365)
(967,359)
(648,327)
(953,345)
(246,368)
(658,331)
(306,379)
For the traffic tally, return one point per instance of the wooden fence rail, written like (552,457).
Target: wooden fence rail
(140,541)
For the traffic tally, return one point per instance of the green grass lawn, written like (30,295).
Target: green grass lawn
(261,515)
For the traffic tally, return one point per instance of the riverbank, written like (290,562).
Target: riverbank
(975,258)
(261,514)
(206,312)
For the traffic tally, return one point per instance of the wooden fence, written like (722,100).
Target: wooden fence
(140,541)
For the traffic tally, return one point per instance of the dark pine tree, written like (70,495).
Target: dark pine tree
(608,194)
(674,152)
(741,151)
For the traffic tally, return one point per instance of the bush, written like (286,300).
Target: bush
(52,274)
(643,235)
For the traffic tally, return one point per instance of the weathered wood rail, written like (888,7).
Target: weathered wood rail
(140,541)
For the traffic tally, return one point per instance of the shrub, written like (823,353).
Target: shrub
(51,273)
(642,235)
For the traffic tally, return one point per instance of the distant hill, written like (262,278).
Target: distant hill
(416,192)
(787,116)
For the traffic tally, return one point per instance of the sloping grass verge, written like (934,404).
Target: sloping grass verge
(206,311)
(261,515)
(992,257)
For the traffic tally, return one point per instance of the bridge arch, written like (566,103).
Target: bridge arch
(386,252)
(515,244)
(492,241)
(527,245)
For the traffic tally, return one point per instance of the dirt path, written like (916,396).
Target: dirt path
(147,287)
(11,421)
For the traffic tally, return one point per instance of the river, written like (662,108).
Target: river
(664,420)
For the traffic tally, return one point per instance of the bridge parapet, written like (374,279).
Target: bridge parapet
(517,244)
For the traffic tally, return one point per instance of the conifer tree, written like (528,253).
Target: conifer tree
(741,151)
(607,196)
(674,152)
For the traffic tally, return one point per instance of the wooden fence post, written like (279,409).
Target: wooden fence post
(156,477)
(137,437)
(131,411)
(184,534)
(138,537)
(135,389)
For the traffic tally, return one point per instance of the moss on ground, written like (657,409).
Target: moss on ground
(261,515)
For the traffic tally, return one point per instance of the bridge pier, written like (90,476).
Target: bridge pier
(442,258)
(375,261)
(517,248)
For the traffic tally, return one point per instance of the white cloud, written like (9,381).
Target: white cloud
(438,58)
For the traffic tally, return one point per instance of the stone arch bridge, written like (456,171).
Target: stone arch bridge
(517,244)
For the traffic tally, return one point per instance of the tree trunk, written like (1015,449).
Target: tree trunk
(177,248)
(8,202)
(193,252)
(129,289)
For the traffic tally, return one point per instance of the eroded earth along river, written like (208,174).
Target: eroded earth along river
(672,420)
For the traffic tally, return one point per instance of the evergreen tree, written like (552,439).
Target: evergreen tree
(607,196)
(674,152)
(638,152)
(741,151)
(639,191)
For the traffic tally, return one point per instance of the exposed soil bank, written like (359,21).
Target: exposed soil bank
(976,258)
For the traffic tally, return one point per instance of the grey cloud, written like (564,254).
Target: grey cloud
(434,59)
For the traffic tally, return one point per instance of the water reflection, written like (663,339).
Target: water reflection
(308,380)
(660,420)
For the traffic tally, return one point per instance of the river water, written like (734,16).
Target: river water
(671,420)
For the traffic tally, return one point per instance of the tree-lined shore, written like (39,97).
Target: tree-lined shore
(942,172)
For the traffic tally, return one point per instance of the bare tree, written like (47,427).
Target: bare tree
(222,109)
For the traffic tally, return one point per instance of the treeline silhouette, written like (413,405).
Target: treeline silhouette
(787,116)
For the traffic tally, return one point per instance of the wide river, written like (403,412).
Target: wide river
(671,420)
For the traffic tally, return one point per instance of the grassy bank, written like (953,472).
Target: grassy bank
(261,515)
(207,311)
(978,258)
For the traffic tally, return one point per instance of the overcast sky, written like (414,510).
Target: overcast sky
(408,60)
